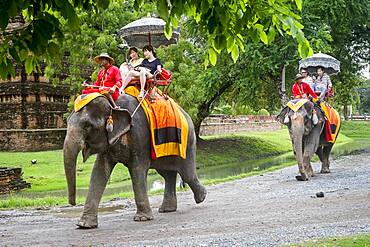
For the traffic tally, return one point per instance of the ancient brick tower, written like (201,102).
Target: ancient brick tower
(31,111)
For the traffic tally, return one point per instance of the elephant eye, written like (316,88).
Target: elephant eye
(87,126)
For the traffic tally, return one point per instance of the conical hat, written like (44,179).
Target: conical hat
(104,54)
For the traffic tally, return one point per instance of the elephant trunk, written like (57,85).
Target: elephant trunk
(73,143)
(297,130)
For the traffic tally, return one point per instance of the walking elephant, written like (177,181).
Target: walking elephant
(307,133)
(127,143)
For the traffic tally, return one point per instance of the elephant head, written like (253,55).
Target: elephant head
(305,125)
(86,131)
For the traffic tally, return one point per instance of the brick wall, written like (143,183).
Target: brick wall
(220,124)
(31,113)
(32,140)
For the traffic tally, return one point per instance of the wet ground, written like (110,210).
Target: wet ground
(267,210)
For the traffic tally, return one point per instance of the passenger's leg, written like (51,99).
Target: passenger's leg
(111,101)
(322,90)
(142,83)
(128,78)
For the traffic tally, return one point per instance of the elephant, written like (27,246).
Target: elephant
(307,136)
(128,143)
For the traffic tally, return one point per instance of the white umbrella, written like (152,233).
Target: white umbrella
(147,31)
(330,64)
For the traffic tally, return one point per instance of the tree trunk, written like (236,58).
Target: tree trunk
(282,91)
(345,112)
(204,108)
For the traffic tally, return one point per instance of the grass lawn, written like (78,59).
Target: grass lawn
(49,185)
(353,241)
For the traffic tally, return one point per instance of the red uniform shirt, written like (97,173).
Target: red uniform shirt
(108,77)
(299,89)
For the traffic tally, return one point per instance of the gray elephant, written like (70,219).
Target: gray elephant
(306,131)
(128,143)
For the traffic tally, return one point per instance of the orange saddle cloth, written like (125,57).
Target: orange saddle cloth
(332,124)
(168,125)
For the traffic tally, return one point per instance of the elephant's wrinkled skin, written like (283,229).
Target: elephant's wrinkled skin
(128,143)
(307,138)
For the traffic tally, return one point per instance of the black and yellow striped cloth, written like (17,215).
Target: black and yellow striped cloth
(168,125)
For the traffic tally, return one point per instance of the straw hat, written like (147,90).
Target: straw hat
(298,76)
(105,55)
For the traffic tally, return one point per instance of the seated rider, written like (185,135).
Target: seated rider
(301,89)
(133,63)
(109,79)
(146,70)
(322,83)
(307,78)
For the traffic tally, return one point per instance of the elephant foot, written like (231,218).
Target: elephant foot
(143,217)
(167,208)
(87,222)
(325,170)
(201,196)
(302,177)
(169,204)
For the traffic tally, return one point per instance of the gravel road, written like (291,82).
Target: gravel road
(268,210)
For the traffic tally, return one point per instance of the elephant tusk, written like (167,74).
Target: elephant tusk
(286,119)
(315,119)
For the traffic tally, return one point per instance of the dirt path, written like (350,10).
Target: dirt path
(267,210)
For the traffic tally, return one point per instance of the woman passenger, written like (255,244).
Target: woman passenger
(146,70)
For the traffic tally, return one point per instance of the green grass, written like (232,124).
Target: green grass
(226,149)
(252,150)
(48,173)
(353,241)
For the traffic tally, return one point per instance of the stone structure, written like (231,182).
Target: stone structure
(11,180)
(31,113)
(31,108)
(222,124)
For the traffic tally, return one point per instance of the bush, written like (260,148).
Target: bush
(263,112)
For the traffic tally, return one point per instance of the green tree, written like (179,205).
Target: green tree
(348,23)
(41,36)
(228,23)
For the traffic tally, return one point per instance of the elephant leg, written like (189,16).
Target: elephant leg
(99,177)
(139,184)
(325,161)
(308,153)
(169,203)
(319,153)
(192,180)
(310,170)
(307,166)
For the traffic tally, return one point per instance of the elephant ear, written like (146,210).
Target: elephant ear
(282,114)
(121,125)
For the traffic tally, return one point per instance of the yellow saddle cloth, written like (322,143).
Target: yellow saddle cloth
(296,104)
(168,125)
(84,99)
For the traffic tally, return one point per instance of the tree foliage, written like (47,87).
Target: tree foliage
(42,34)
(228,23)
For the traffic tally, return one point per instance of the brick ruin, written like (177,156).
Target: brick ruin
(222,124)
(31,113)
(31,109)
(11,180)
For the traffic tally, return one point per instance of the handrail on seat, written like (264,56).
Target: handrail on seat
(153,82)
